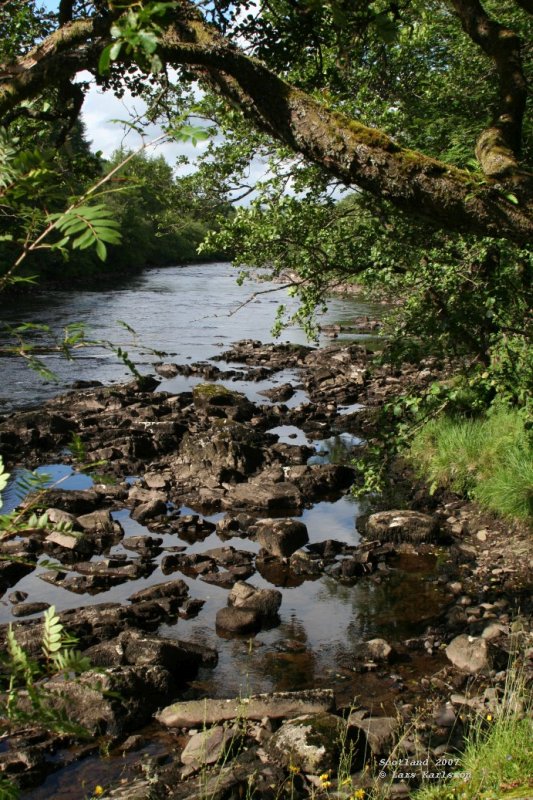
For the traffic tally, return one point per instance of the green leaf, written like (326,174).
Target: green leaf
(101,250)
(105,60)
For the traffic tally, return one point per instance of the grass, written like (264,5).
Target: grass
(489,460)
(498,757)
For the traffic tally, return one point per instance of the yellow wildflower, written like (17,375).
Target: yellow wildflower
(294,769)
(489,717)
(359,794)
(98,791)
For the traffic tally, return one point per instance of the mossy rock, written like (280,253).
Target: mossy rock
(313,743)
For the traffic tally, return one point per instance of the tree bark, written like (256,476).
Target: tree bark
(498,147)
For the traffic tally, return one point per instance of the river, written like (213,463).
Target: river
(188,312)
(192,313)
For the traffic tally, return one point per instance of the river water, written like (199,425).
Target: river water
(193,313)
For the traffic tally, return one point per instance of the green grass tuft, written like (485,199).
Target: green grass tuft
(489,460)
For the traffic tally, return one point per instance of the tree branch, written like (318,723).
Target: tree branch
(498,147)
(354,154)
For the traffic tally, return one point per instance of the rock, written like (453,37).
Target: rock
(68,541)
(493,631)
(79,501)
(238,620)
(281,537)
(378,650)
(445,716)
(17,597)
(263,497)
(279,393)
(155,480)
(226,452)
(380,732)
(99,521)
(176,590)
(132,648)
(148,544)
(265,602)
(117,701)
(311,742)
(469,654)
(57,516)
(207,747)
(25,609)
(402,526)
(167,370)
(149,510)
(279,705)
(215,400)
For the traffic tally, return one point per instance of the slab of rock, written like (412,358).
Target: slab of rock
(281,537)
(263,497)
(68,541)
(469,654)
(79,501)
(265,602)
(279,705)
(171,589)
(402,526)
(132,648)
(311,742)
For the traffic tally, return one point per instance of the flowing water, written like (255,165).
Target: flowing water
(193,313)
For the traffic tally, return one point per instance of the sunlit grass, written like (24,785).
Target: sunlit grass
(489,460)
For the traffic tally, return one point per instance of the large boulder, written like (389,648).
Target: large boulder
(114,702)
(281,537)
(402,526)
(226,452)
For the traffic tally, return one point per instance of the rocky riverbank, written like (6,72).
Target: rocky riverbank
(211,452)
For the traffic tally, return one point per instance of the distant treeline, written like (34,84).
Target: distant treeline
(161,220)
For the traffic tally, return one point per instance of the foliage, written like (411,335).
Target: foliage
(489,459)
(27,698)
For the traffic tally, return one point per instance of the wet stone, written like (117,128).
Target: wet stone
(281,537)
(238,620)
(26,609)
(402,526)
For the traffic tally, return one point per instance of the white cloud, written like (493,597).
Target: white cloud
(100,113)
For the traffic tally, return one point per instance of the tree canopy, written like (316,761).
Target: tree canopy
(346,85)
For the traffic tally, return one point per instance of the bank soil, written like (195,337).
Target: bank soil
(210,452)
